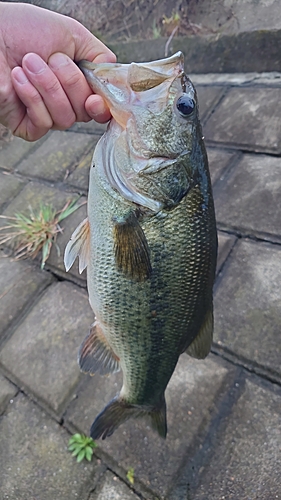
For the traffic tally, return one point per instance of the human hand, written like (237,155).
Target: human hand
(41,88)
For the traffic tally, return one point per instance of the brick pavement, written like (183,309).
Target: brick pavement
(224,413)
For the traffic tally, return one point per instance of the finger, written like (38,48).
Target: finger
(97,109)
(73,83)
(45,81)
(36,121)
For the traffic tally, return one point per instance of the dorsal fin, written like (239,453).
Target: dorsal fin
(78,246)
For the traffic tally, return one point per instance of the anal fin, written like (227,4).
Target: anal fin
(96,355)
(78,245)
(201,345)
(131,248)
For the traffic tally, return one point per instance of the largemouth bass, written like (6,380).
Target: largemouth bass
(149,242)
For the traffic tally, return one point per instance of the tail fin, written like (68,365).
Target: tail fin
(118,411)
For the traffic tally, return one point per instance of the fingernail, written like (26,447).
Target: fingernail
(19,75)
(58,60)
(34,63)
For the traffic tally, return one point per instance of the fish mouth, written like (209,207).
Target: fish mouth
(124,85)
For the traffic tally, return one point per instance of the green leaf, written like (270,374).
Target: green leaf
(74,438)
(75,453)
(45,252)
(80,456)
(130,475)
(69,210)
(72,446)
(89,453)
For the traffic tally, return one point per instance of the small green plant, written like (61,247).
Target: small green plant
(81,447)
(36,232)
(174,19)
(130,475)
(156,31)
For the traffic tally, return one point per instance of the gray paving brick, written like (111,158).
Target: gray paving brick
(33,195)
(20,284)
(55,260)
(225,245)
(207,97)
(113,489)
(240,120)
(90,127)
(80,177)
(56,156)
(248,306)
(34,460)
(245,463)
(12,152)
(10,186)
(41,354)
(248,200)
(191,399)
(218,161)
(7,392)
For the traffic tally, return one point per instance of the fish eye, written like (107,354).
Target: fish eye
(185,105)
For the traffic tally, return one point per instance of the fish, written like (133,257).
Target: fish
(149,242)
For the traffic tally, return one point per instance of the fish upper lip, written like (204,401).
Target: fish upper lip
(121,84)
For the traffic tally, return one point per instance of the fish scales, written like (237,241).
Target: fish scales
(145,320)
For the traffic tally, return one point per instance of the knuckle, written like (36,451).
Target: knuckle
(72,80)
(34,98)
(66,121)
(52,87)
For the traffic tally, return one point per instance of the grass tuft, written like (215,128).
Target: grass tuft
(36,232)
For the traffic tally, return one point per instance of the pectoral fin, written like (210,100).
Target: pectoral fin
(201,345)
(131,248)
(78,245)
(96,355)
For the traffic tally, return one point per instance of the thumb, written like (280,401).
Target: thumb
(87,46)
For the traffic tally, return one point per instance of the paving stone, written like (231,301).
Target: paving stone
(7,392)
(113,489)
(191,400)
(55,261)
(13,151)
(208,96)
(34,460)
(245,463)
(41,354)
(20,283)
(240,120)
(271,79)
(80,177)
(56,156)
(225,245)
(248,306)
(218,161)
(248,200)
(34,194)
(10,186)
